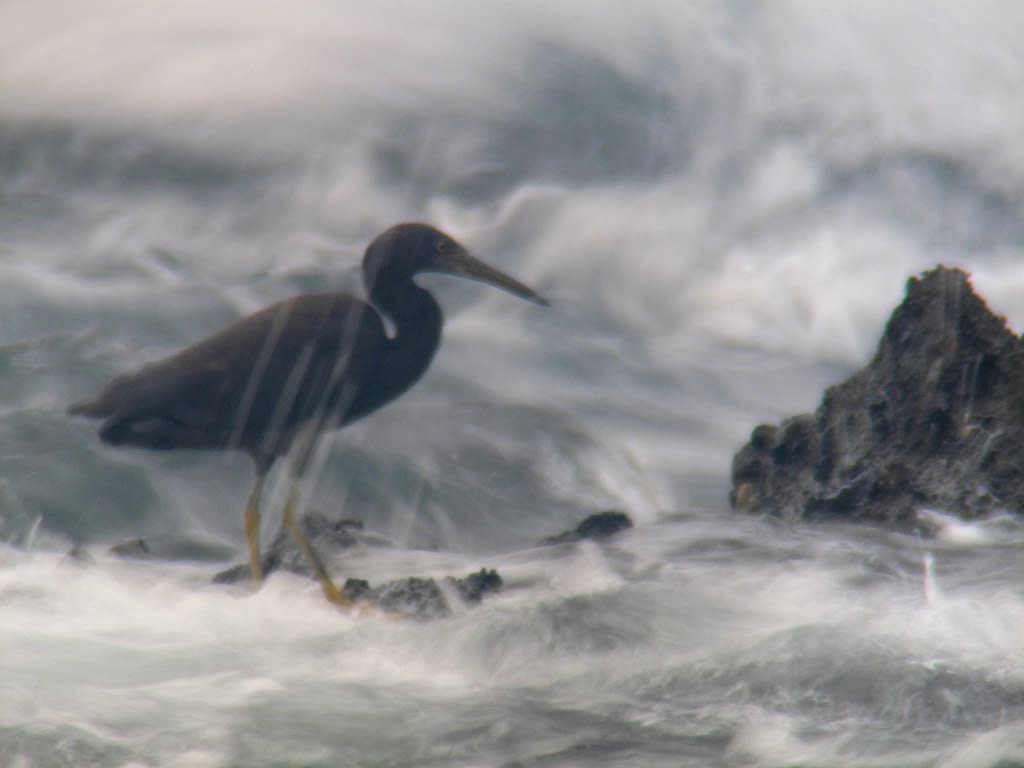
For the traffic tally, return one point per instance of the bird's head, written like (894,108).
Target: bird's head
(404,250)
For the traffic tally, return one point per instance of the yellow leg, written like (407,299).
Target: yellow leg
(252,532)
(294,528)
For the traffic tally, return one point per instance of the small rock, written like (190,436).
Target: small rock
(472,588)
(598,526)
(79,555)
(133,549)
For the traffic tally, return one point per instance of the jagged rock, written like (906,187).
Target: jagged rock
(936,420)
(324,535)
(598,526)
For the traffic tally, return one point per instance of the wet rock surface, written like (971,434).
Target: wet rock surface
(326,536)
(598,526)
(419,598)
(423,599)
(935,420)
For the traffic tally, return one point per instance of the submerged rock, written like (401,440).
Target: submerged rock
(936,420)
(598,526)
(132,549)
(159,549)
(79,555)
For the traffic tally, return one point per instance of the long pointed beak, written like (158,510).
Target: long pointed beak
(461,263)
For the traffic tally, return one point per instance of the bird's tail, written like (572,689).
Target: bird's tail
(91,409)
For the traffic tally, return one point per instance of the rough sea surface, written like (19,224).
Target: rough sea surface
(721,200)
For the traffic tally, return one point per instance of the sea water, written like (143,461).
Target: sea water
(722,202)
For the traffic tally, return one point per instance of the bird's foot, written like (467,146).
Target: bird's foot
(334,595)
(357,607)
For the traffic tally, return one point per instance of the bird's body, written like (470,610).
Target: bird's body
(273,382)
(254,385)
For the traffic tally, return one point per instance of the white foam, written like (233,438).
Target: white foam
(1003,745)
(995,529)
(785,171)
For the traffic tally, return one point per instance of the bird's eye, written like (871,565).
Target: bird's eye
(443,246)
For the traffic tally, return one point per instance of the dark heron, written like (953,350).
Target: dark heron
(272,383)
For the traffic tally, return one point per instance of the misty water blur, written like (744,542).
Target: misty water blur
(722,201)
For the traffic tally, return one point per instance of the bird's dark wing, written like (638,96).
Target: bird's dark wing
(250,386)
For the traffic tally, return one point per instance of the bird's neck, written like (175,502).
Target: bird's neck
(411,313)
(416,321)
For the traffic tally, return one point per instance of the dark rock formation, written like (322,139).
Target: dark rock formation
(422,599)
(417,598)
(936,420)
(600,525)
